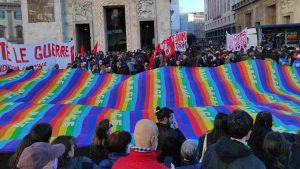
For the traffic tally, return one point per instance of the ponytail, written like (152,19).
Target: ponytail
(162,113)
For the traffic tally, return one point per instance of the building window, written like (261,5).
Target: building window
(19,31)
(271,14)
(2,14)
(2,31)
(287,19)
(18,15)
(248,18)
(228,18)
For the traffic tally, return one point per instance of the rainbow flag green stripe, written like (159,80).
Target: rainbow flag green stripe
(74,101)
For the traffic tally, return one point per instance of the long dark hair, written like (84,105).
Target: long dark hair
(100,135)
(275,147)
(263,120)
(220,128)
(14,159)
(262,125)
(99,147)
(67,141)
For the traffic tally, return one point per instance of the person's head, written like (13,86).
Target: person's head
(69,65)
(189,150)
(275,146)
(41,133)
(101,132)
(263,120)
(56,66)
(25,142)
(39,154)
(70,145)
(164,115)
(220,127)
(146,134)
(118,141)
(240,124)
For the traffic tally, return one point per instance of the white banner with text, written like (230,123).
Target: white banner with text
(45,54)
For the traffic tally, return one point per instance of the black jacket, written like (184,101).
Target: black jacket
(95,153)
(189,165)
(230,154)
(256,140)
(209,142)
(169,142)
(294,159)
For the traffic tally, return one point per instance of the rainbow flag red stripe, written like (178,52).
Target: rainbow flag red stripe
(73,101)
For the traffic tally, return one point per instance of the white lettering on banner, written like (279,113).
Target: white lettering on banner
(236,42)
(45,54)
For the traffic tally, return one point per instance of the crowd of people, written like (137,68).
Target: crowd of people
(139,61)
(130,63)
(235,142)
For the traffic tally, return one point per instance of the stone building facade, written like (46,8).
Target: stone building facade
(219,19)
(11,21)
(250,13)
(87,21)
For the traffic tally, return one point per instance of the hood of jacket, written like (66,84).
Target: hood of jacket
(229,150)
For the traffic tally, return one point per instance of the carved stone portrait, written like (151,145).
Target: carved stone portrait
(82,11)
(40,11)
(287,6)
(145,8)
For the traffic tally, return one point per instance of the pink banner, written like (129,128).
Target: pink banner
(236,42)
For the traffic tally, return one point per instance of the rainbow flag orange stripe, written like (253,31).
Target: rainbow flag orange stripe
(74,101)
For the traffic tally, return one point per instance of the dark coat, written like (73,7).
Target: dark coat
(156,63)
(96,153)
(112,158)
(172,62)
(294,160)
(189,165)
(256,140)
(201,143)
(169,142)
(80,163)
(227,153)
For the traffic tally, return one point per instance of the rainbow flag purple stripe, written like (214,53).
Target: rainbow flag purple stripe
(74,101)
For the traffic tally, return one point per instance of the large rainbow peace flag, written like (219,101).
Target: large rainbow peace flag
(74,101)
